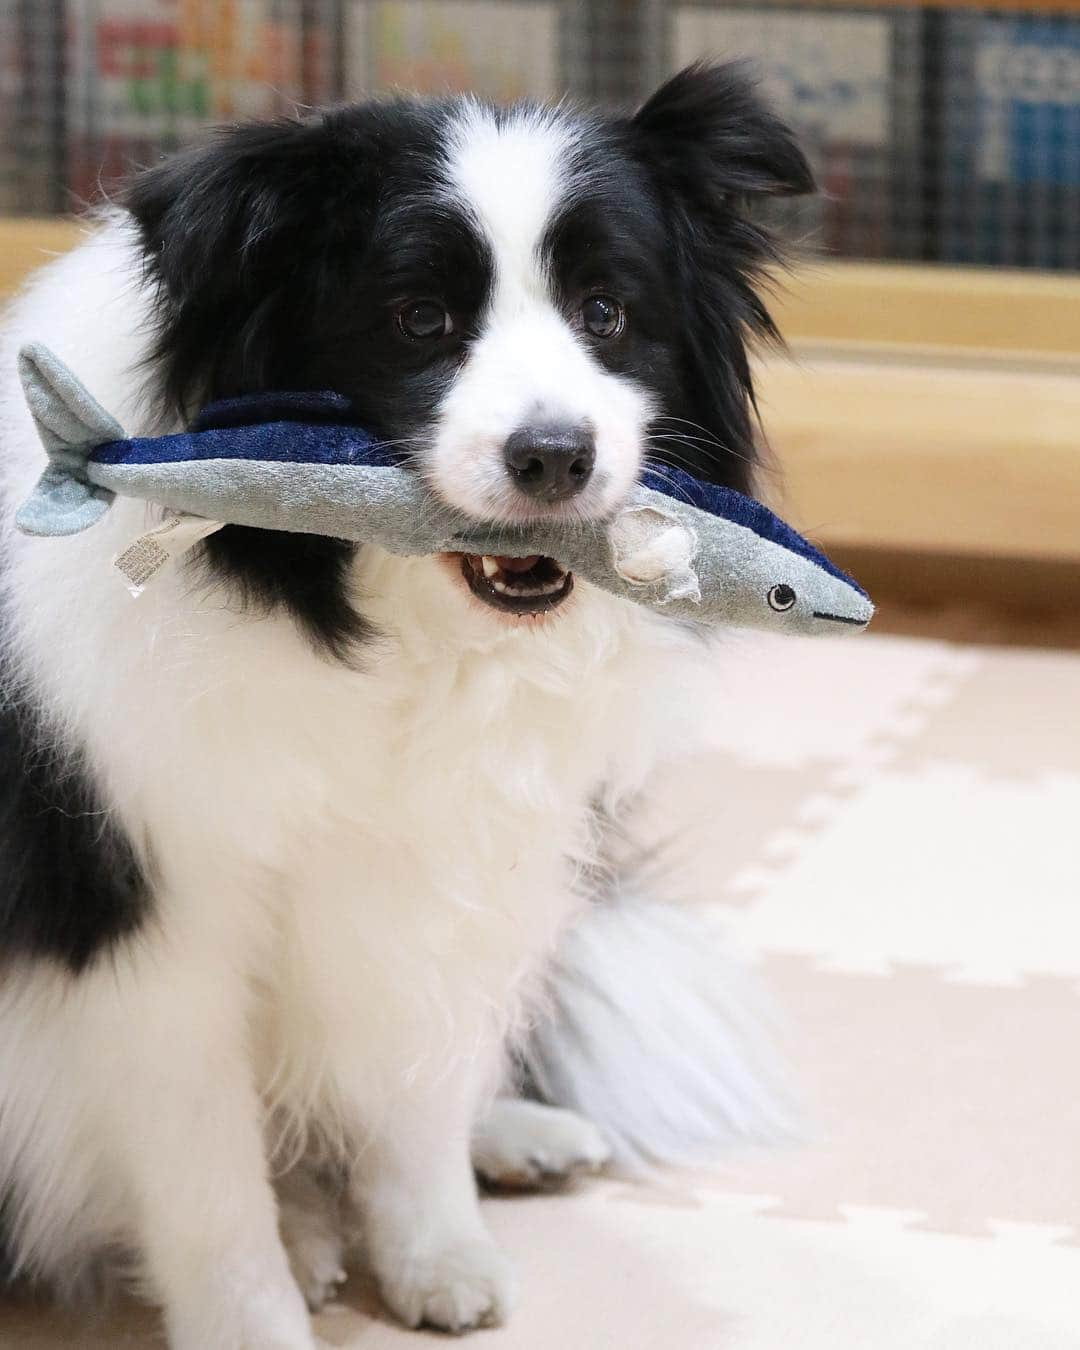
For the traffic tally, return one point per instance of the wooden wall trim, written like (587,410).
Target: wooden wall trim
(922,308)
(953,461)
(28,243)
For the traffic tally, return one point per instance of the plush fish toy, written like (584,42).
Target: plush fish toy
(295,462)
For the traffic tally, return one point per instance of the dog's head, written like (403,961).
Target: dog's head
(530,301)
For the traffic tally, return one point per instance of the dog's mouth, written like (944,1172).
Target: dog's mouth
(532,585)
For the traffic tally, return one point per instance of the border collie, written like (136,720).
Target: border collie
(288,841)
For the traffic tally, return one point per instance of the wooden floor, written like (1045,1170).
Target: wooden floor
(976,599)
(979,624)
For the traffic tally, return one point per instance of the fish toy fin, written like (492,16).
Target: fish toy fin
(71,424)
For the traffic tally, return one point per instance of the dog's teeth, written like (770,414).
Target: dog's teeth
(518,585)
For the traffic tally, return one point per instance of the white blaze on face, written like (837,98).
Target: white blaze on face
(527,367)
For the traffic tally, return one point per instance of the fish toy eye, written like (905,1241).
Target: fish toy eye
(781,597)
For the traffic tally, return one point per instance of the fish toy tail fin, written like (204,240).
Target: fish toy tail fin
(71,424)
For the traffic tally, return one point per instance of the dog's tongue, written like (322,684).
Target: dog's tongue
(518,564)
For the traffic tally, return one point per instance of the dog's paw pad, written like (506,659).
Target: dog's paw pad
(533,1146)
(458,1290)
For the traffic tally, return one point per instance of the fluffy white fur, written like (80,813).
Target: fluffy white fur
(358,875)
(698,1070)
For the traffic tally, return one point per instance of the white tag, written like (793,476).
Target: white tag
(144,557)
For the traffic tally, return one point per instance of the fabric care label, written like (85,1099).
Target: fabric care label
(144,557)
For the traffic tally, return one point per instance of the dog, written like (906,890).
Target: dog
(289,841)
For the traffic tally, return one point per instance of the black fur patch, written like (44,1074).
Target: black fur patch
(304,574)
(72,885)
(282,254)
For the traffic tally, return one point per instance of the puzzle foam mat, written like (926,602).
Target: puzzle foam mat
(890,830)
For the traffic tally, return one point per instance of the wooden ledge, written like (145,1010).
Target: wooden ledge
(26,244)
(899,305)
(940,459)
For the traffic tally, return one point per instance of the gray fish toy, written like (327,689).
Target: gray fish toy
(295,462)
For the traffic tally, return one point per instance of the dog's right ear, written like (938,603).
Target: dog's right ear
(225,204)
(230,230)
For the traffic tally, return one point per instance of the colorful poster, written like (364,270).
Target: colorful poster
(505,49)
(1027,83)
(31,117)
(10,87)
(828,75)
(146,75)
(1011,172)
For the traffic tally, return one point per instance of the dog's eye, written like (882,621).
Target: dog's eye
(424,319)
(781,597)
(602,316)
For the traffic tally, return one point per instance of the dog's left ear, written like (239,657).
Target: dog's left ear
(708,136)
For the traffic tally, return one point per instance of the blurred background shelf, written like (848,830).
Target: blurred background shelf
(939,133)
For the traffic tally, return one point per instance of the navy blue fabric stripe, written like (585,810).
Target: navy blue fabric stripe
(733,506)
(276,442)
(297,406)
(299,442)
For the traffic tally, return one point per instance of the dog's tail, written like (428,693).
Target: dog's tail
(71,424)
(661,1037)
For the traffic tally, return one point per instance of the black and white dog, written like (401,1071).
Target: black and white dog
(288,841)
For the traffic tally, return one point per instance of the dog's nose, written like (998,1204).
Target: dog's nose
(550,463)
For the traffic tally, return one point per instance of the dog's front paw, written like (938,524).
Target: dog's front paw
(313,1232)
(318,1266)
(457,1288)
(523,1145)
(245,1317)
